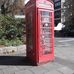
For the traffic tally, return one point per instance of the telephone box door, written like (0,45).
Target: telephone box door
(45,34)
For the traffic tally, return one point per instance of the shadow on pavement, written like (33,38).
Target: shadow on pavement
(24,61)
(15,60)
(65,62)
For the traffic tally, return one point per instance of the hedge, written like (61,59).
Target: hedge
(11,30)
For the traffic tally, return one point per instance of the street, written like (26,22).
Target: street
(63,63)
(64,51)
(64,48)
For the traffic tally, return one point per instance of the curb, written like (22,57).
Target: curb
(13,50)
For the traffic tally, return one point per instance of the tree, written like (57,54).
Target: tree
(4,6)
(10,6)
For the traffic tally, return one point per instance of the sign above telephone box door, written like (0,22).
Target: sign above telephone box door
(44,4)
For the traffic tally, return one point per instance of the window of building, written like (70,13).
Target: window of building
(58,14)
(56,0)
(57,4)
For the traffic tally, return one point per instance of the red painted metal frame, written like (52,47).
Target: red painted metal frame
(50,56)
(35,56)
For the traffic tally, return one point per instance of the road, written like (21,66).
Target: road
(64,47)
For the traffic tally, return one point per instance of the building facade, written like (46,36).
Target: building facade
(57,7)
(63,17)
(69,10)
(59,11)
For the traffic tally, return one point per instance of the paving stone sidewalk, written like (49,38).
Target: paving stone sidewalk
(18,64)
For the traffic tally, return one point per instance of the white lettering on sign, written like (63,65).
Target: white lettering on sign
(45,4)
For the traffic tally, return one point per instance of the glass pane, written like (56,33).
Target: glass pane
(45,33)
(45,13)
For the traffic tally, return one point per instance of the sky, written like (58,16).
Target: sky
(26,1)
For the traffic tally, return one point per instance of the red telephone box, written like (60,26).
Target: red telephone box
(40,30)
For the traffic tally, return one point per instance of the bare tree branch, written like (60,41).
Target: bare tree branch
(9,6)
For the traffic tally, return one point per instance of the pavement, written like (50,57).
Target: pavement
(63,63)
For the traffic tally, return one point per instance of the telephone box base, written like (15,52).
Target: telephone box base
(34,63)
